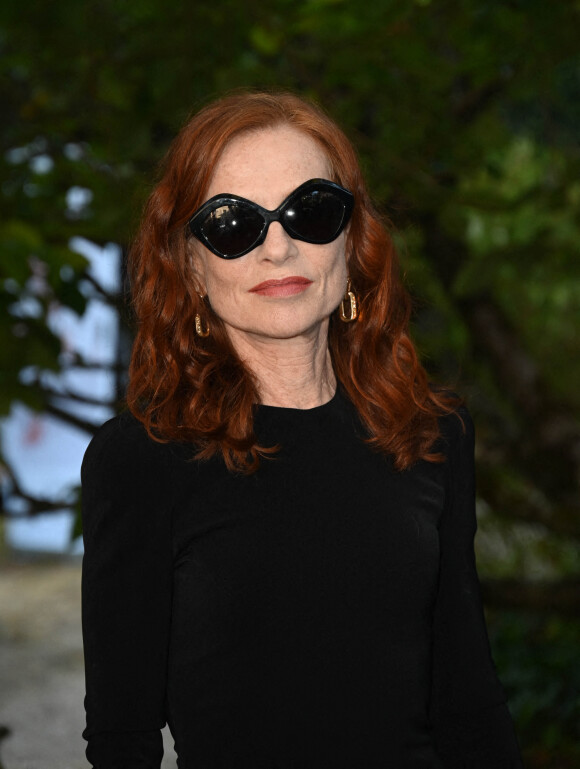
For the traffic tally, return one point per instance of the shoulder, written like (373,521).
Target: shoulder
(122,439)
(121,448)
(457,431)
(130,484)
(457,444)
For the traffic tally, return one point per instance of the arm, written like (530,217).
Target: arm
(127,577)
(471,723)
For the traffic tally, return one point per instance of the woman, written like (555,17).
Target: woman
(278,535)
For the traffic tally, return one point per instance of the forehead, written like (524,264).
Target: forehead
(266,165)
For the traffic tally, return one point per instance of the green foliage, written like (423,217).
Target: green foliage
(542,684)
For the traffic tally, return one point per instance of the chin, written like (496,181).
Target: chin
(281,323)
(294,330)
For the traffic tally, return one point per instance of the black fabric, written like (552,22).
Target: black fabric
(323,612)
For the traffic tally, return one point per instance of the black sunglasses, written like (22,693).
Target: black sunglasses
(230,226)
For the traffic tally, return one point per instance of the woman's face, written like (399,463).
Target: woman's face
(265,167)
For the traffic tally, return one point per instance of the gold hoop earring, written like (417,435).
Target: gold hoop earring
(199,329)
(351,304)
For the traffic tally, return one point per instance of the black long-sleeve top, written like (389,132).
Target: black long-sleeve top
(323,613)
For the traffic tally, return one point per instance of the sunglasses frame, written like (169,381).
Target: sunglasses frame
(276,215)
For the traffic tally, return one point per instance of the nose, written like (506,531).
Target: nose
(278,245)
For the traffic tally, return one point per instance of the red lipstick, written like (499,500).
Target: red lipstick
(285,287)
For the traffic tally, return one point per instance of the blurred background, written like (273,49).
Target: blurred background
(466,115)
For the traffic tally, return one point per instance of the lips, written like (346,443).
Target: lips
(284,287)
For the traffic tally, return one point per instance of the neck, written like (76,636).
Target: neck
(290,373)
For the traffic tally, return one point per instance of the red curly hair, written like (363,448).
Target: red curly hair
(186,388)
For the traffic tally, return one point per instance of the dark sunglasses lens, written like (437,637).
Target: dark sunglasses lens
(316,216)
(232,229)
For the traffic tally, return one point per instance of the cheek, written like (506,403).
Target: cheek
(213,277)
(338,271)
(222,285)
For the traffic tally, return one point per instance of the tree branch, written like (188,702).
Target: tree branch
(82,424)
(36,504)
(113,300)
(48,391)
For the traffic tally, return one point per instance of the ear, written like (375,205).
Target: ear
(348,246)
(347,257)
(197,264)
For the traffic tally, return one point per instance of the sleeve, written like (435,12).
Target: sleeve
(471,724)
(126,593)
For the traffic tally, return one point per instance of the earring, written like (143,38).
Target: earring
(199,329)
(351,304)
